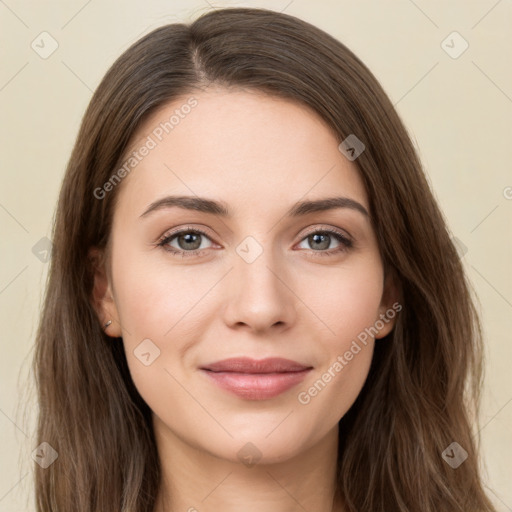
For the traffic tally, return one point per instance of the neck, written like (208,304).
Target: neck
(194,480)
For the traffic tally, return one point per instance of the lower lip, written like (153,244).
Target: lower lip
(257,386)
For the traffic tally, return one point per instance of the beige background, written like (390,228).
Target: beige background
(458,111)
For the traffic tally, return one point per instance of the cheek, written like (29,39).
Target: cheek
(343,301)
(348,307)
(153,299)
(152,305)
(164,304)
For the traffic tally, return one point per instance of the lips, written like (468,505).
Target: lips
(247,365)
(256,379)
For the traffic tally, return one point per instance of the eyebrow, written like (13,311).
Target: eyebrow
(219,208)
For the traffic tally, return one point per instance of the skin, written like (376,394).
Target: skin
(259,155)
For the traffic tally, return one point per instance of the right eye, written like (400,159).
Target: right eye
(188,240)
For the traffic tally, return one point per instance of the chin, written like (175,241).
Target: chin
(260,444)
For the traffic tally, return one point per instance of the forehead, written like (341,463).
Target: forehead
(249,149)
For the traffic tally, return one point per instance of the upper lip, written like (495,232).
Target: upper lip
(248,365)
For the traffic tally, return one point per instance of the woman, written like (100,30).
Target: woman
(253,298)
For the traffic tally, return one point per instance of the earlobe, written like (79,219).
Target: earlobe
(389,307)
(101,296)
(386,322)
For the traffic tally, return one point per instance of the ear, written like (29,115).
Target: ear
(389,306)
(102,297)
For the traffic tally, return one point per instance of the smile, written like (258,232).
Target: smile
(256,380)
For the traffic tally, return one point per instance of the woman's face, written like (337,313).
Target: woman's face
(265,280)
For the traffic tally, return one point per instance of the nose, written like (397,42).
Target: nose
(260,295)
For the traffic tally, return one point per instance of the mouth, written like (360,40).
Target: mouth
(256,379)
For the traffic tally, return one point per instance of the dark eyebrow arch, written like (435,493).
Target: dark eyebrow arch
(219,208)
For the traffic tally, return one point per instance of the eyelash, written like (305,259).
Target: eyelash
(345,243)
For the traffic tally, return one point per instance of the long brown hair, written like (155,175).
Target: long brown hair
(422,391)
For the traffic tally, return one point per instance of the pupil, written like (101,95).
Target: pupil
(316,240)
(190,238)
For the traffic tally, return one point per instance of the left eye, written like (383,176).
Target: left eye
(322,239)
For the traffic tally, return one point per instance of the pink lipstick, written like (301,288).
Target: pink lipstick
(256,379)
